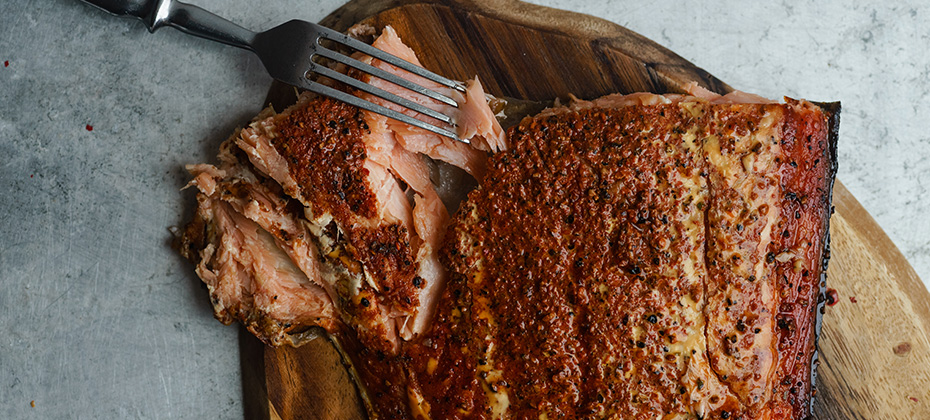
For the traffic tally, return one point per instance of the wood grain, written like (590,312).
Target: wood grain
(543,52)
(875,342)
(310,383)
(875,352)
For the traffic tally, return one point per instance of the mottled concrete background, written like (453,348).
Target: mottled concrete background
(99,318)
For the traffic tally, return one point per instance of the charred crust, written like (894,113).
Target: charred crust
(831,111)
(576,158)
(387,255)
(323,143)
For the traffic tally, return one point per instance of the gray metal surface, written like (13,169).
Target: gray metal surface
(99,317)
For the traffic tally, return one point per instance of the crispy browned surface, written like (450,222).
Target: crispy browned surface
(631,263)
(323,143)
(355,268)
(807,180)
(561,252)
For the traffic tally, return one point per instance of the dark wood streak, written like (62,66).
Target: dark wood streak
(835,388)
(252,363)
(310,383)
(627,69)
(571,53)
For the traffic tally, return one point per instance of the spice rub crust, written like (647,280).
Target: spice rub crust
(637,262)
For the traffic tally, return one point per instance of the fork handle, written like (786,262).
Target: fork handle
(134,8)
(186,17)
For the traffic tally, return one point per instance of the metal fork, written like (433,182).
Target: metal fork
(288,53)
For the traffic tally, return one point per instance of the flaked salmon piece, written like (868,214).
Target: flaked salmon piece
(698,91)
(474,119)
(384,149)
(430,217)
(397,146)
(281,293)
(391,201)
(440,148)
(430,221)
(356,208)
(384,239)
(477,122)
(263,204)
(237,196)
(349,199)
(255,257)
(254,142)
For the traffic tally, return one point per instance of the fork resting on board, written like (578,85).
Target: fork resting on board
(288,52)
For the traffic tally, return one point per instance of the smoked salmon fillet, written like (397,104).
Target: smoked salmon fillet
(634,256)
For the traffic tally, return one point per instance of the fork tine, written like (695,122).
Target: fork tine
(381,74)
(369,106)
(381,93)
(388,58)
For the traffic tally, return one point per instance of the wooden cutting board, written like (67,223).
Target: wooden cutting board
(875,343)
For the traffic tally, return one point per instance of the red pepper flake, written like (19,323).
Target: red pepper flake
(6,64)
(902,348)
(832,297)
(852,299)
(89,127)
(912,399)
(32,175)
